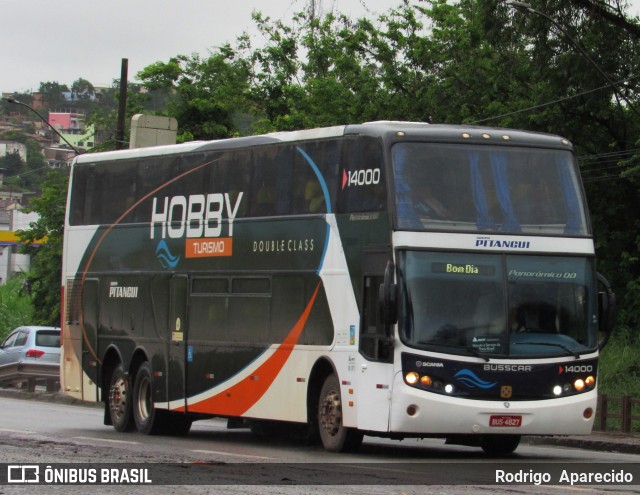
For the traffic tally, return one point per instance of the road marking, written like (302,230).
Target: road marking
(246,456)
(93,439)
(9,430)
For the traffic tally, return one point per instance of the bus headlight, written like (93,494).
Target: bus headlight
(590,381)
(412,378)
(579,384)
(557,390)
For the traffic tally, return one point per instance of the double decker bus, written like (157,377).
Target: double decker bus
(391,279)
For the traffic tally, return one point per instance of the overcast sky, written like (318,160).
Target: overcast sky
(63,40)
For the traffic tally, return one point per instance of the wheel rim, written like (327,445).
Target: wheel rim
(144,399)
(331,413)
(118,398)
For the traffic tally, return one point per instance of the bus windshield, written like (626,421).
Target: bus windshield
(487,188)
(498,305)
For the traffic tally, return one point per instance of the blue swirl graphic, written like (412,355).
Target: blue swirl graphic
(327,201)
(471,380)
(164,256)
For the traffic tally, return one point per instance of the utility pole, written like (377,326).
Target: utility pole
(122,104)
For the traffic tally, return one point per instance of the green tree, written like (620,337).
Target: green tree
(52,97)
(15,306)
(204,95)
(82,90)
(31,174)
(45,274)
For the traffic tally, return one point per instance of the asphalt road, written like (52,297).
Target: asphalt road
(219,460)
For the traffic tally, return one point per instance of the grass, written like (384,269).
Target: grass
(619,370)
(619,375)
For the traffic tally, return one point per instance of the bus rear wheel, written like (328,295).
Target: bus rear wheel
(147,418)
(119,400)
(334,435)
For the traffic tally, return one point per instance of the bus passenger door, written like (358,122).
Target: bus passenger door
(375,359)
(177,324)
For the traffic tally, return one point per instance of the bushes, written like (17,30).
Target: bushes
(15,306)
(619,370)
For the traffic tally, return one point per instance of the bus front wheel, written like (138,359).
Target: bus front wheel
(334,435)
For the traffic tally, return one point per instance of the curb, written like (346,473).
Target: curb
(598,441)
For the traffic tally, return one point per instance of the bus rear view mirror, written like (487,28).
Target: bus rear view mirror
(606,309)
(388,295)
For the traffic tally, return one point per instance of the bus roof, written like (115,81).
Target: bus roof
(388,130)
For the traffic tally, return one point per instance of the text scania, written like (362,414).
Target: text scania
(192,216)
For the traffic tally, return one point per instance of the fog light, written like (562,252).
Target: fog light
(579,384)
(557,390)
(588,413)
(412,378)
(412,410)
(590,381)
(425,381)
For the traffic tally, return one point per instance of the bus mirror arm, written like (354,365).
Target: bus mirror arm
(606,309)
(388,295)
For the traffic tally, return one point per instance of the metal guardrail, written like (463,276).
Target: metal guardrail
(617,413)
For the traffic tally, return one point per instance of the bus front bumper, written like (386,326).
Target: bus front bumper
(416,411)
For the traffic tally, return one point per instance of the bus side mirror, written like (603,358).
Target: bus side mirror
(388,295)
(606,309)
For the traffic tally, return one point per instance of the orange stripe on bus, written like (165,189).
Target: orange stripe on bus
(239,398)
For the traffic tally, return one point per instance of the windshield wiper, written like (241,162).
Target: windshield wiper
(478,353)
(575,354)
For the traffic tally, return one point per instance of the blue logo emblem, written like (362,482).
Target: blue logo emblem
(164,256)
(471,380)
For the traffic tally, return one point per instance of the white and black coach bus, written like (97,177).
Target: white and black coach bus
(389,279)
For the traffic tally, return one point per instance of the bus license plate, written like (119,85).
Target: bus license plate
(513,421)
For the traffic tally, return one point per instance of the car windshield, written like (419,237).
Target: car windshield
(487,188)
(48,338)
(498,305)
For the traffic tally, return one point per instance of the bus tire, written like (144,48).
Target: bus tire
(499,445)
(119,400)
(334,435)
(147,418)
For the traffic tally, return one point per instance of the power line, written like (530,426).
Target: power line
(554,102)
